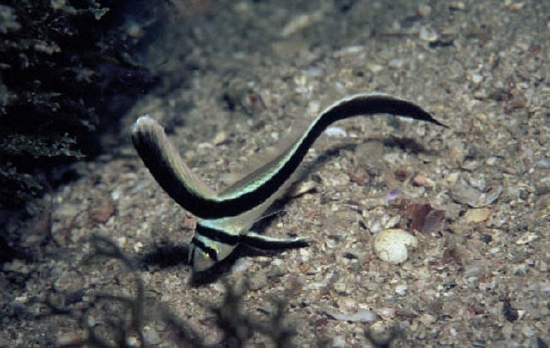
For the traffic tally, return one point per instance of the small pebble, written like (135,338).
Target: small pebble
(151,336)
(424,10)
(518,6)
(340,288)
(334,131)
(375,68)
(302,188)
(428,34)
(457,5)
(391,245)
(476,78)
(477,215)
(396,63)
(421,179)
(16,266)
(301,22)
(401,289)
(338,341)
(103,211)
(257,281)
(220,138)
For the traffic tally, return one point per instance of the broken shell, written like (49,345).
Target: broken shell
(362,315)
(527,238)
(463,193)
(391,245)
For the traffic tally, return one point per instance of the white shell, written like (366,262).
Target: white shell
(391,245)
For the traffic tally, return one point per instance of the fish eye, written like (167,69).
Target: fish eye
(201,261)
